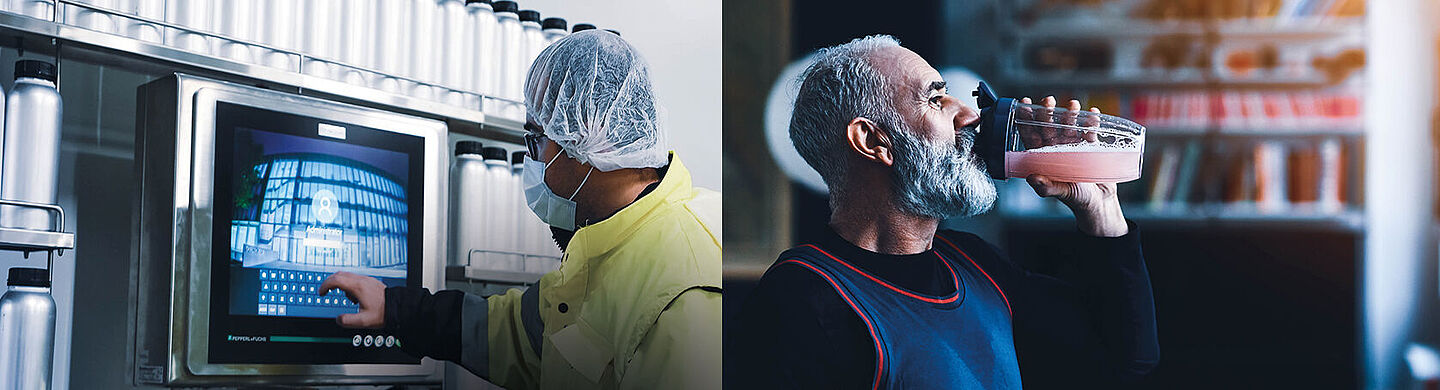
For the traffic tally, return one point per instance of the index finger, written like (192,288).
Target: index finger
(339,280)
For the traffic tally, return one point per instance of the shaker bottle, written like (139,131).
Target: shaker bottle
(1017,140)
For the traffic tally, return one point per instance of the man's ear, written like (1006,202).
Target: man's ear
(872,143)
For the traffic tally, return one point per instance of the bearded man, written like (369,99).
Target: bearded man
(887,300)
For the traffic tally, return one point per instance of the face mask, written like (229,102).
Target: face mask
(554,210)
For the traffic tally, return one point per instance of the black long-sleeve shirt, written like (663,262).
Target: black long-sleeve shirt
(1090,327)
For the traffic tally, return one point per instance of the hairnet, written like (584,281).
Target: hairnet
(590,92)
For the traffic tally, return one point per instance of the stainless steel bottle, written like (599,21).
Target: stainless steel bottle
(192,14)
(32,145)
(553,29)
(511,46)
(279,25)
(27,330)
(39,9)
(424,27)
(467,199)
(483,61)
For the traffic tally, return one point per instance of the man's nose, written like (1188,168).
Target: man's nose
(965,116)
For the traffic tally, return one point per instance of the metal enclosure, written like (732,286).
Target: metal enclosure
(175,160)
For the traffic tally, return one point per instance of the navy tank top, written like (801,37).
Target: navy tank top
(959,341)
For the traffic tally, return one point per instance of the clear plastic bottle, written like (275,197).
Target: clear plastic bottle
(27,330)
(31,167)
(1017,140)
(468,200)
(502,193)
(534,38)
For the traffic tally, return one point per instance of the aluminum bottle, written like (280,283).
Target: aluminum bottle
(497,163)
(468,199)
(32,145)
(27,330)
(149,9)
(278,25)
(235,19)
(454,60)
(320,40)
(483,61)
(192,14)
(534,38)
(553,29)
(354,50)
(389,36)
(84,17)
(423,51)
(510,42)
(39,9)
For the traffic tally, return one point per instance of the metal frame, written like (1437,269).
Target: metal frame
(27,240)
(177,254)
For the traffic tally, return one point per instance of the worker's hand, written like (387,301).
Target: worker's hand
(1095,205)
(367,291)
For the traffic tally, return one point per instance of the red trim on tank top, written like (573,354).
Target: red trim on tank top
(879,352)
(954,278)
(982,271)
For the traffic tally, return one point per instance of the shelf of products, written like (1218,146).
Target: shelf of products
(46,36)
(1254,110)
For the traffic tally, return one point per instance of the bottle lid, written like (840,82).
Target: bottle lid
(582,27)
(34,68)
(494,153)
(530,15)
(469,2)
(617,33)
(468,147)
(506,6)
(30,277)
(517,158)
(550,23)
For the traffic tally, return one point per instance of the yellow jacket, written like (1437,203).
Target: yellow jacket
(635,303)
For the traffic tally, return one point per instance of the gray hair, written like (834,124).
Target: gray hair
(837,88)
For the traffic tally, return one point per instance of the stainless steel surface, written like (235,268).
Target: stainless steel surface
(175,152)
(143,55)
(48,238)
(27,338)
(31,168)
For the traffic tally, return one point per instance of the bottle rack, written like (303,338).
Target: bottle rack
(103,48)
(534,265)
(27,240)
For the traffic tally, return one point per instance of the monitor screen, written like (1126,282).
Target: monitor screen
(296,200)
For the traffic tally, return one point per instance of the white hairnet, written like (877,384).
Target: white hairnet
(590,92)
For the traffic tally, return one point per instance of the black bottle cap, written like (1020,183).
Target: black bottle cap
(517,158)
(468,2)
(494,153)
(506,6)
(550,23)
(37,69)
(617,33)
(582,27)
(30,277)
(530,15)
(468,147)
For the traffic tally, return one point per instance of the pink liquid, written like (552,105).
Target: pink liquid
(1076,167)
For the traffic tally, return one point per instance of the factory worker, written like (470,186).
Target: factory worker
(636,301)
(887,299)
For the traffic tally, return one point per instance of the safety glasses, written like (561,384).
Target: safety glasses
(534,141)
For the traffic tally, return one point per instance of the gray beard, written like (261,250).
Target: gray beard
(939,181)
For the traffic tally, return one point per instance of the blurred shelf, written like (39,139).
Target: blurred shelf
(1162,131)
(1140,28)
(124,52)
(466,273)
(1212,215)
(1107,79)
